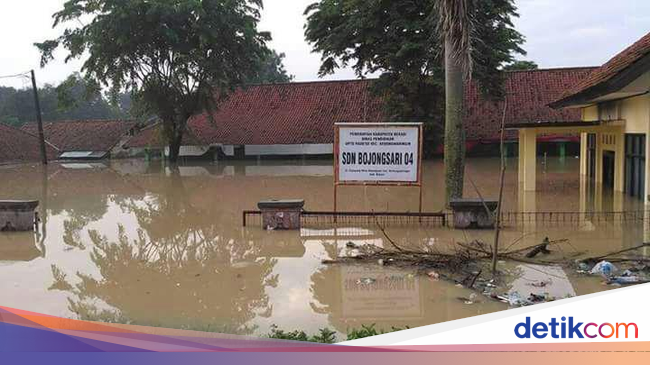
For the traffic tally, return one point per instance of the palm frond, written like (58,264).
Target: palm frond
(456,25)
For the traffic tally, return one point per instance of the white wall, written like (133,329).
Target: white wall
(289,149)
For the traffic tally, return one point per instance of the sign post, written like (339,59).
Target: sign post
(378,154)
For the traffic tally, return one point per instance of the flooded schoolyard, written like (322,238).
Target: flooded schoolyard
(133,241)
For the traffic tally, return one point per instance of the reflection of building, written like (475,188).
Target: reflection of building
(379,293)
(355,296)
(615,121)
(542,280)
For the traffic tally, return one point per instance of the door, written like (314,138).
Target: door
(635,165)
(609,160)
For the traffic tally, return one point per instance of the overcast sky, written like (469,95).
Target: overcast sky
(559,33)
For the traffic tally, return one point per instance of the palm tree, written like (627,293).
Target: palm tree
(455,27)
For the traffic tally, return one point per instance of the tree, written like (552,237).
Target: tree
(456,25)
(401,40)
(73,99)
(521,66)
(176,57)
(271,70)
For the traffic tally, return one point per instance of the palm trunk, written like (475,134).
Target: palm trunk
(454,131)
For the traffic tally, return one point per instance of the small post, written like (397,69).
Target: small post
(39,120)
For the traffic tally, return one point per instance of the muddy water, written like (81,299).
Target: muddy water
(135,242)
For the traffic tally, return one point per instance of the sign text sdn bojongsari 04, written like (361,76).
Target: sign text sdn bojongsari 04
(388,154)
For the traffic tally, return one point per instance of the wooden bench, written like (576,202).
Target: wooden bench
(471,213)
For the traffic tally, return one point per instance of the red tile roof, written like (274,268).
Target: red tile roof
(83,135)
(609,70)
(528,95)
(152,137)
(297,113)
(292,113)
(19,146)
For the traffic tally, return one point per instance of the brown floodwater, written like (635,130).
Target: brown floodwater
(136,242)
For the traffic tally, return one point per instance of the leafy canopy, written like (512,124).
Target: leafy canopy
(173,55)
(521,66)
(72,99)
(400,39)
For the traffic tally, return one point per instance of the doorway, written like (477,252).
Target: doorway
(635,165)
(609,161)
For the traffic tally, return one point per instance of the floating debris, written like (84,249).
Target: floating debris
(366,281)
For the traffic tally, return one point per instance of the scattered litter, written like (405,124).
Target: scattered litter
(604,268)
(433,275)
(516,300)
(541,284)
(469,301)
(624,280)
(366,281)
(536,298)
(351,245)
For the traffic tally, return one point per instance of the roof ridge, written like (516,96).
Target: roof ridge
(600,80)
(546,69)
(312,82)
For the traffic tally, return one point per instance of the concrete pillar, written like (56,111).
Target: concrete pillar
(528,159)
(619,163)
(528,204)
(599,158)
(562,147)
(646,198)
(583,154)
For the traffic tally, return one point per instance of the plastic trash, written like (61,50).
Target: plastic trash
(516,300)
(627,273)
(583,267)
(604,268)
(625,280)
(366,281)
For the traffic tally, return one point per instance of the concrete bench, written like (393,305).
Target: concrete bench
(17,215)
(471,213)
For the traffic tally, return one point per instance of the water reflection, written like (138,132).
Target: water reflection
(20,246)
(131,241)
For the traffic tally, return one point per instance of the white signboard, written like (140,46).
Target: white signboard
(384,153)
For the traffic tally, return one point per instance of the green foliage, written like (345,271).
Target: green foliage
(73,99)
(271,70)
(521,66)
(173,56)
(326,335)
(400,40)
(369,331)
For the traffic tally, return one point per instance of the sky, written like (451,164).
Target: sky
(559,33)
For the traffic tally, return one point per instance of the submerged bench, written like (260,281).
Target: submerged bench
(17,215)
(281,214)
(471,213)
